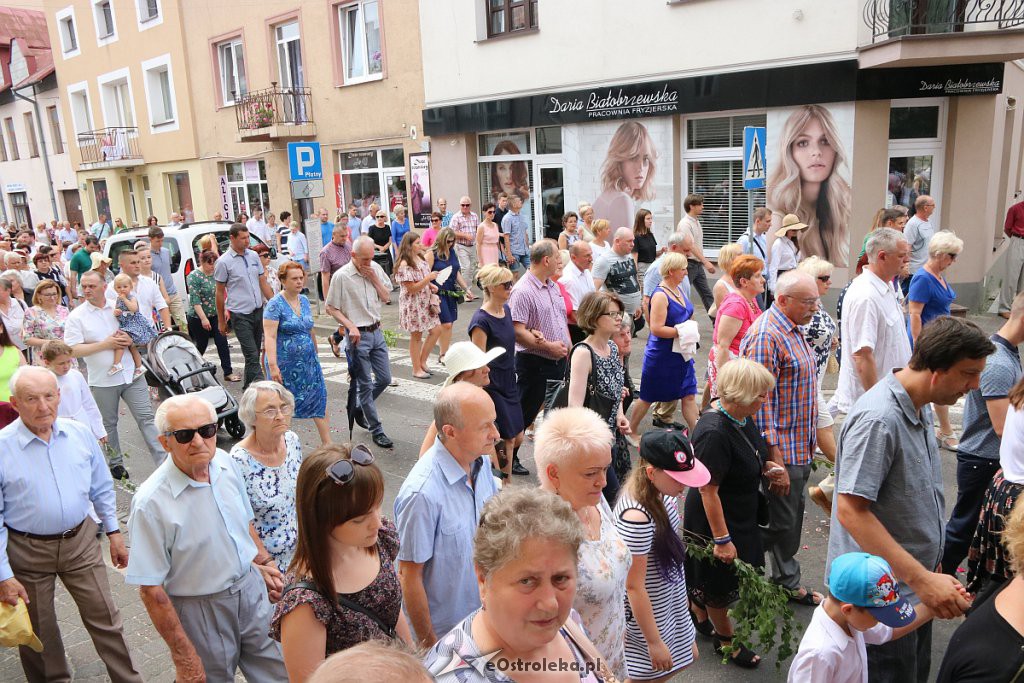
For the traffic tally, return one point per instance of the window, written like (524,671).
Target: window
(247,186)
(917,130)
(159,92)
(104,15)
(713,153)
(148,10)
(373,176)
(11,140)
(133,207)
(510,16)
(30,133)
(913,122)
(66,30)
(181,195)
(148,196)
(21,215)
(359,24)
(55,136)
(116,99)
(81,115)
(3,151)
(232,71)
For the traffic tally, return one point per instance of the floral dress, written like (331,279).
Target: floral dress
(819,334)
(297,356)
(41,325)
(272,494)
(202,290)
(135,324)
(346,628)
(601,590)
(414,309)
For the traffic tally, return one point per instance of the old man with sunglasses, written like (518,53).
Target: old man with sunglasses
(202,571)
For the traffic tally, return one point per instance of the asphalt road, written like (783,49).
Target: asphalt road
(406,413)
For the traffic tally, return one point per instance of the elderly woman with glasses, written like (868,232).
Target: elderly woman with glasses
(929,297)
(441,256)
(44,321)
(341,587)
(268,459)
(573,453)
(526,554)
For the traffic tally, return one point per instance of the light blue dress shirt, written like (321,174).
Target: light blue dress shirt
(653,278)
(191,537)
(47,488)
(760,248)
(437,514)
(162,265)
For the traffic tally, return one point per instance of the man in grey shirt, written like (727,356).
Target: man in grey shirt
(889,496)
(162,265)
(616,272)
(919,231)
(977,456)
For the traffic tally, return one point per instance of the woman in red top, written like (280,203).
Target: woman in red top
(736,313)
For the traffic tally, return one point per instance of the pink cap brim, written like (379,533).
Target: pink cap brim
(698,476)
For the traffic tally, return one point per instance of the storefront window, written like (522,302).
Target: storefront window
(364,173)
(247,186)
(916,150)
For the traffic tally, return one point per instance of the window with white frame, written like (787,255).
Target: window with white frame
(713,162)
(67,31)
(132,206)
(55,135)
(12,140)
(361,54)
(232,71)
(103,15)
(30,134)
(116,99)
(81,114)
(148,10)
(159,91)
(148,196)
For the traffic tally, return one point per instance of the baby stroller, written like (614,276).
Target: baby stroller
(173,360)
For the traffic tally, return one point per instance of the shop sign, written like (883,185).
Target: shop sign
(225,197)
(14,187)
(627,101)
(251,170)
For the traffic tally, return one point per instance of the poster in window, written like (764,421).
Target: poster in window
(620,168)
(419,191)
(512,177)
(809,160)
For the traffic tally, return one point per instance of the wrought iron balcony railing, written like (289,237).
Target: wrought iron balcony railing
(273,107)
(109,145)
(895,18)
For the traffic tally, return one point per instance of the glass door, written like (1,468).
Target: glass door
(911,176)
(550,201)
(395,182)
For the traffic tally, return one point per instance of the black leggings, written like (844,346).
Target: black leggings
(201,337)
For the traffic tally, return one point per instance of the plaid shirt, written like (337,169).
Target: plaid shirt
(446,219)
(539,306)
(465,226)
(789,417)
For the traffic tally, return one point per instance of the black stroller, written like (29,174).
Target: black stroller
(174,362)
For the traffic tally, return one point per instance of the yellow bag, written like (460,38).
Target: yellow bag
(16,627)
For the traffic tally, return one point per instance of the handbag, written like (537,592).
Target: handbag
(556,393)
(763,516)
(586,648)
(435,304)
(389,631)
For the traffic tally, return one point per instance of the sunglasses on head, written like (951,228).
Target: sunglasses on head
(343,471)
(183,436)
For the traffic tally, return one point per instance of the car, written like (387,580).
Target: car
(183,243)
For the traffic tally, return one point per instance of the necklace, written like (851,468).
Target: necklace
(725,412)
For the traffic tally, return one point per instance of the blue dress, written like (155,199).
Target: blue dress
(503,389)
(665,375)
(935,294)
(297,357)
(135,324)
(449,306)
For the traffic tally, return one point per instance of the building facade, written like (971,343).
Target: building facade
(863,108)
(37,183)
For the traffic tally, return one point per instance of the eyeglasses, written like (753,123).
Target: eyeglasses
(614,315)
(184,436)
(283,411)
(381,215)
(824,278)
(435,220)
(264,255)
(343,471)
(465,205)
(449,241)
(506,285)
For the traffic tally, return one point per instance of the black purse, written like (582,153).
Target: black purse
(389,631)
(556,393)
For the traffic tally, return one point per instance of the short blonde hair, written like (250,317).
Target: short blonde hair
(726,254)
(493,275)
(815,266)
(1013,537)
(600,225)
(563,255)
(519,514)
(565,434)
(742,380)
(672,260)
(121,279)
(944,242)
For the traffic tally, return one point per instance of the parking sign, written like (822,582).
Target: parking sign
(304,161)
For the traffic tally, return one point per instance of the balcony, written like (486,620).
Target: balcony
(275,113)
(937,32)
(109,148)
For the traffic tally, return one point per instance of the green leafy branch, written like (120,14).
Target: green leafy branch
(760,603)
(125,482)
(390,338)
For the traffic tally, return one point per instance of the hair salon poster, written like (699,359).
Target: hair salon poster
(420,202)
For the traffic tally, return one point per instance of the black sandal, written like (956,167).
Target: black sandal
(745,658)
(808,598)
(705,628)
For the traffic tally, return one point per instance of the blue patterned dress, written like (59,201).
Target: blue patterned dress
(297,357)
(272,494)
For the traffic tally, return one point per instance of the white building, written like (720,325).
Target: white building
(37,182)
(530,96)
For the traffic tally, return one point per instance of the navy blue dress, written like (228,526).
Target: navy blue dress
(503,389)
(665,375)
(449,306)
(297,356)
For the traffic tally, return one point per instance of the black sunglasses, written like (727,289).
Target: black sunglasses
(342,471)
(186,435)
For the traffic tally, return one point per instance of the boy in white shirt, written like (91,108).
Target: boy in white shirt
(76,401)
(863,608)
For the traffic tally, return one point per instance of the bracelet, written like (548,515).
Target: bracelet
(722,540)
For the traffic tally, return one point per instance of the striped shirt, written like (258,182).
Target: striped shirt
(789,417)
(465,225)
(539,306)
(668,599)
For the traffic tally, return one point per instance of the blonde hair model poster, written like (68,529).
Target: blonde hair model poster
(808,151)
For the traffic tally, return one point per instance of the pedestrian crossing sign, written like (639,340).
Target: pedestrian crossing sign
(753,157)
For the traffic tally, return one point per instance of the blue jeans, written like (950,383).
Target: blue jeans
(370,354)
(520,260)
(973,475)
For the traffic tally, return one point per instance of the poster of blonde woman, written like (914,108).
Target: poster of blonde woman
(808,175)
(628,172)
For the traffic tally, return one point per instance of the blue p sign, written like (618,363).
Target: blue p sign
(304,161)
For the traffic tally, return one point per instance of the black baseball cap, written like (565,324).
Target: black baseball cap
(670,451)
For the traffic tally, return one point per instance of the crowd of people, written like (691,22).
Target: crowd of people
(281,562)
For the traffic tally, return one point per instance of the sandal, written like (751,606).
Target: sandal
(705,628)
(744,657)
(947,441)
(425,375)
(809,598)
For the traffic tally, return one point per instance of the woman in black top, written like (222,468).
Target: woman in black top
(645,247)
(380,233)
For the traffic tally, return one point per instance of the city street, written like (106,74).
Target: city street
(406,411)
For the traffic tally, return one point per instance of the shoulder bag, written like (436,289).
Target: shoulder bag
(763,517)
(389,631)
(589,652)
(556,394)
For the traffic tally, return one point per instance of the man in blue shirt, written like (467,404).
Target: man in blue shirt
(355,223)
(162,265)
(759,248)
(326,228)
(52,474)
(515,226)
(437,511)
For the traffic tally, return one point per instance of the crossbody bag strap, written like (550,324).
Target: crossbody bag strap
(347,604)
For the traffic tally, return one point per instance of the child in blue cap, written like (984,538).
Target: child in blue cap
(863,608)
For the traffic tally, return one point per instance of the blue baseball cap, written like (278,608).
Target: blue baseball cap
(867,581)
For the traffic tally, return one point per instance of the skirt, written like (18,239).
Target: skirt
(987,559)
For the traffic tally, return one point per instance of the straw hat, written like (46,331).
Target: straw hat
(463,356)
(790,222)
(97,258)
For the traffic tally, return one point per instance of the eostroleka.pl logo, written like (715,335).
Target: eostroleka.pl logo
(484,663)
(459,662)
